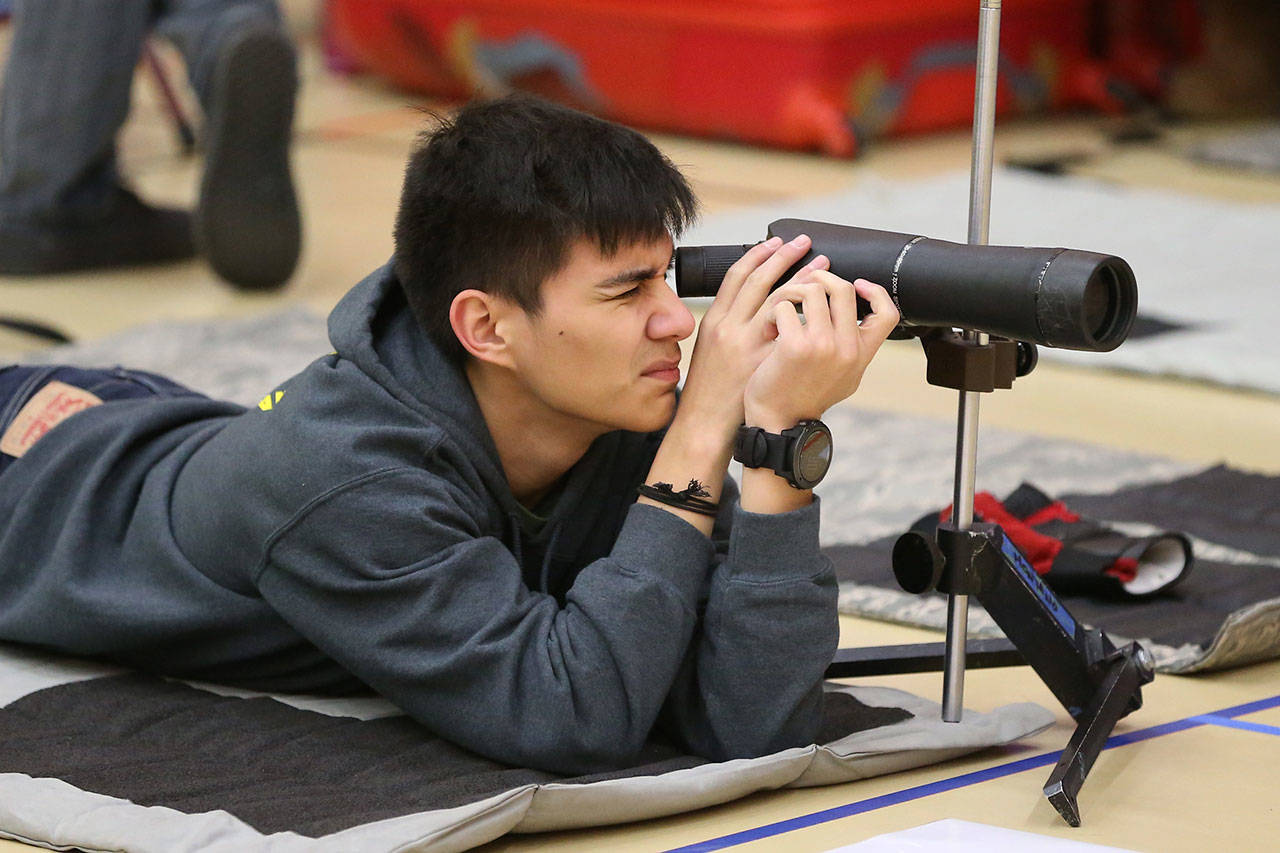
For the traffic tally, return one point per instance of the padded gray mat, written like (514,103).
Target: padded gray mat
(95,758)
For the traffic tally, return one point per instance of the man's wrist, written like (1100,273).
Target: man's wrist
(692,449)
(767,492)
(773,421)
(710,434)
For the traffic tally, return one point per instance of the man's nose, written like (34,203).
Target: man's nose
(672,318)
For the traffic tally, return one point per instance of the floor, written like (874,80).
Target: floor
(352,136)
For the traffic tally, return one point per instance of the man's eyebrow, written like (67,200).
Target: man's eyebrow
(629,276)
(635,274)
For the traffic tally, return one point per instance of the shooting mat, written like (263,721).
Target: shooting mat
(97,758)
(1205,270)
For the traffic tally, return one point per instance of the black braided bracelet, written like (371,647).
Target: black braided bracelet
(691,498)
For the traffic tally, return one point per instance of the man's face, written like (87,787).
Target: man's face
(604,350)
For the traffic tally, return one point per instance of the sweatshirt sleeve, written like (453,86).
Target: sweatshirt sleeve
(751,683)
(392,578)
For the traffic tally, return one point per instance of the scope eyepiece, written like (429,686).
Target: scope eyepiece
(700,270)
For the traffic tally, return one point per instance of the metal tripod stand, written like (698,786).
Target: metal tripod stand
(1095,681)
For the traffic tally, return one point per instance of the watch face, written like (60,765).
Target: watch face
(813,456)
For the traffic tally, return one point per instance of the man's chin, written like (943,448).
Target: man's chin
(656,415)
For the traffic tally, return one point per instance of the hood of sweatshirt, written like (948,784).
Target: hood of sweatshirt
(373,328)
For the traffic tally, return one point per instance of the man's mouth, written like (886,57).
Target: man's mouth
(664,371)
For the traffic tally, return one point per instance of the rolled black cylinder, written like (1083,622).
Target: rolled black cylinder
(1064,298)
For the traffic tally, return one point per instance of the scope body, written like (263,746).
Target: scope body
(1065,298)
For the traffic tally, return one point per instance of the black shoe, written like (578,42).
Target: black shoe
(130,233)
(247,223)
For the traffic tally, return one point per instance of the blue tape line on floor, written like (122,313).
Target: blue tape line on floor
(1222,717)
(1260,728)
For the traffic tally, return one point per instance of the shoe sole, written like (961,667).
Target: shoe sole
(247,224)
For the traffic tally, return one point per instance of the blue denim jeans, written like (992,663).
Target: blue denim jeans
(18,384)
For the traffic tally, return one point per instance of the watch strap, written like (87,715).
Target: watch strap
(756,447)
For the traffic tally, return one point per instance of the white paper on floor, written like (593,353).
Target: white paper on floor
(962,836)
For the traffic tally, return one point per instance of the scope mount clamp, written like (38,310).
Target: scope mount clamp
(956,362)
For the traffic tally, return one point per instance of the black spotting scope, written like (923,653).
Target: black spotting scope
(1065,298)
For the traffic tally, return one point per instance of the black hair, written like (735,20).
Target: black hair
(494,198)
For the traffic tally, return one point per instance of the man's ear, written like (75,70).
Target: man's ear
(477,319)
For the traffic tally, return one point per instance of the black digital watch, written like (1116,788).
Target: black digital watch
(800,455)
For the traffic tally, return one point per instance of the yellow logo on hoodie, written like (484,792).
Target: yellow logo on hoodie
(268,402)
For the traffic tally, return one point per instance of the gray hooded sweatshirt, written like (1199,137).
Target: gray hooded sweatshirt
(359,533)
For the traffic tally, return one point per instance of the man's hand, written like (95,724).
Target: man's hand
(737,333)
(815,362)
(735,336)
(812,365)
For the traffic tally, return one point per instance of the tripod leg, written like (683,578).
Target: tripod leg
(1116,697)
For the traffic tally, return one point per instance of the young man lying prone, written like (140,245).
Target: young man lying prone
(445,508)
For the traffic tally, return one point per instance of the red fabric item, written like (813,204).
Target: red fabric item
(1039,549)
(1056,511)
(1124,569)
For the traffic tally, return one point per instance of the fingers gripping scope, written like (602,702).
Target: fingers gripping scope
(1063,298)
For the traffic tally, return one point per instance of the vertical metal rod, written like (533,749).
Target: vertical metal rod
(984,120)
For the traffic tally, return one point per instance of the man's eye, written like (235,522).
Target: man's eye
(627,293)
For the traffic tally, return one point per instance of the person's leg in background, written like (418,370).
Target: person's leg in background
(64,98)
(243,67)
